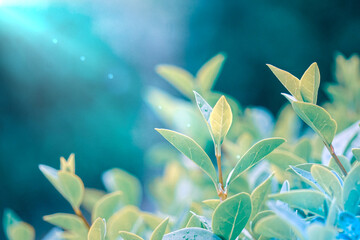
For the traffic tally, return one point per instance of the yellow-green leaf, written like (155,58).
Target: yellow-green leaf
(21,231)
(97,230)
(212,203)
(68,222)
(118,180)
(91,196)
(15,229)
(159,231)
(207,75)
(220,120)
(72,188)
(181,79)
(68,165)
(151,220)
(192,150)
(290,82)
(309,84)
(123,220)
(108,205)
(129,236)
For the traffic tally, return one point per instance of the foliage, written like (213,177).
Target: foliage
(256,185)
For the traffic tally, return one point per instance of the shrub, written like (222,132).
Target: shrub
(270,180)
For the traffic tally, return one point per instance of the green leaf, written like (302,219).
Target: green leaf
(181,79)
(203,106)
(118,223)
(207,75)
(231,216)
(205,222)
(15,229)
(303,149)
(191,233)
(67,184)
(344,161)
(290,82)
(291,218)
(321,232)
(194,222)
(91,196)
(52,175)
(257,152)
(309,84)
(9,218)
(258,217)
(21,231)
(356,152)
(159,231)
(273,226)
(333,214)
(351,191)
(327,180)
(212,203)
(287,124)
(118,180)
(192,150)
(108,205)
(301,171)
(151,220)
(68,222)
(72,188)
(318,119)
(97,230)
(220,120)
(259,196)
(205,110)
(307,200)
(129,236)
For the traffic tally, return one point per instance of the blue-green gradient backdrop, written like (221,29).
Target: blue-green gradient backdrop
(72,75)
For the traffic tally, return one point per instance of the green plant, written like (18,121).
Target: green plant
(274,189)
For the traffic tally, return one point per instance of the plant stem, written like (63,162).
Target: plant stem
(218,159)
(333,154)
(79,214)
(221,192)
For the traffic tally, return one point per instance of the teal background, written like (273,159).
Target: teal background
(73,73)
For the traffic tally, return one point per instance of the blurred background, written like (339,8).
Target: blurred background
(73,76)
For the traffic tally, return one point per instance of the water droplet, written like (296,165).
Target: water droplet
(159,107)
(238,156)
(205,109)
(110,76)
(82,58)
(188,125)
(55,41)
